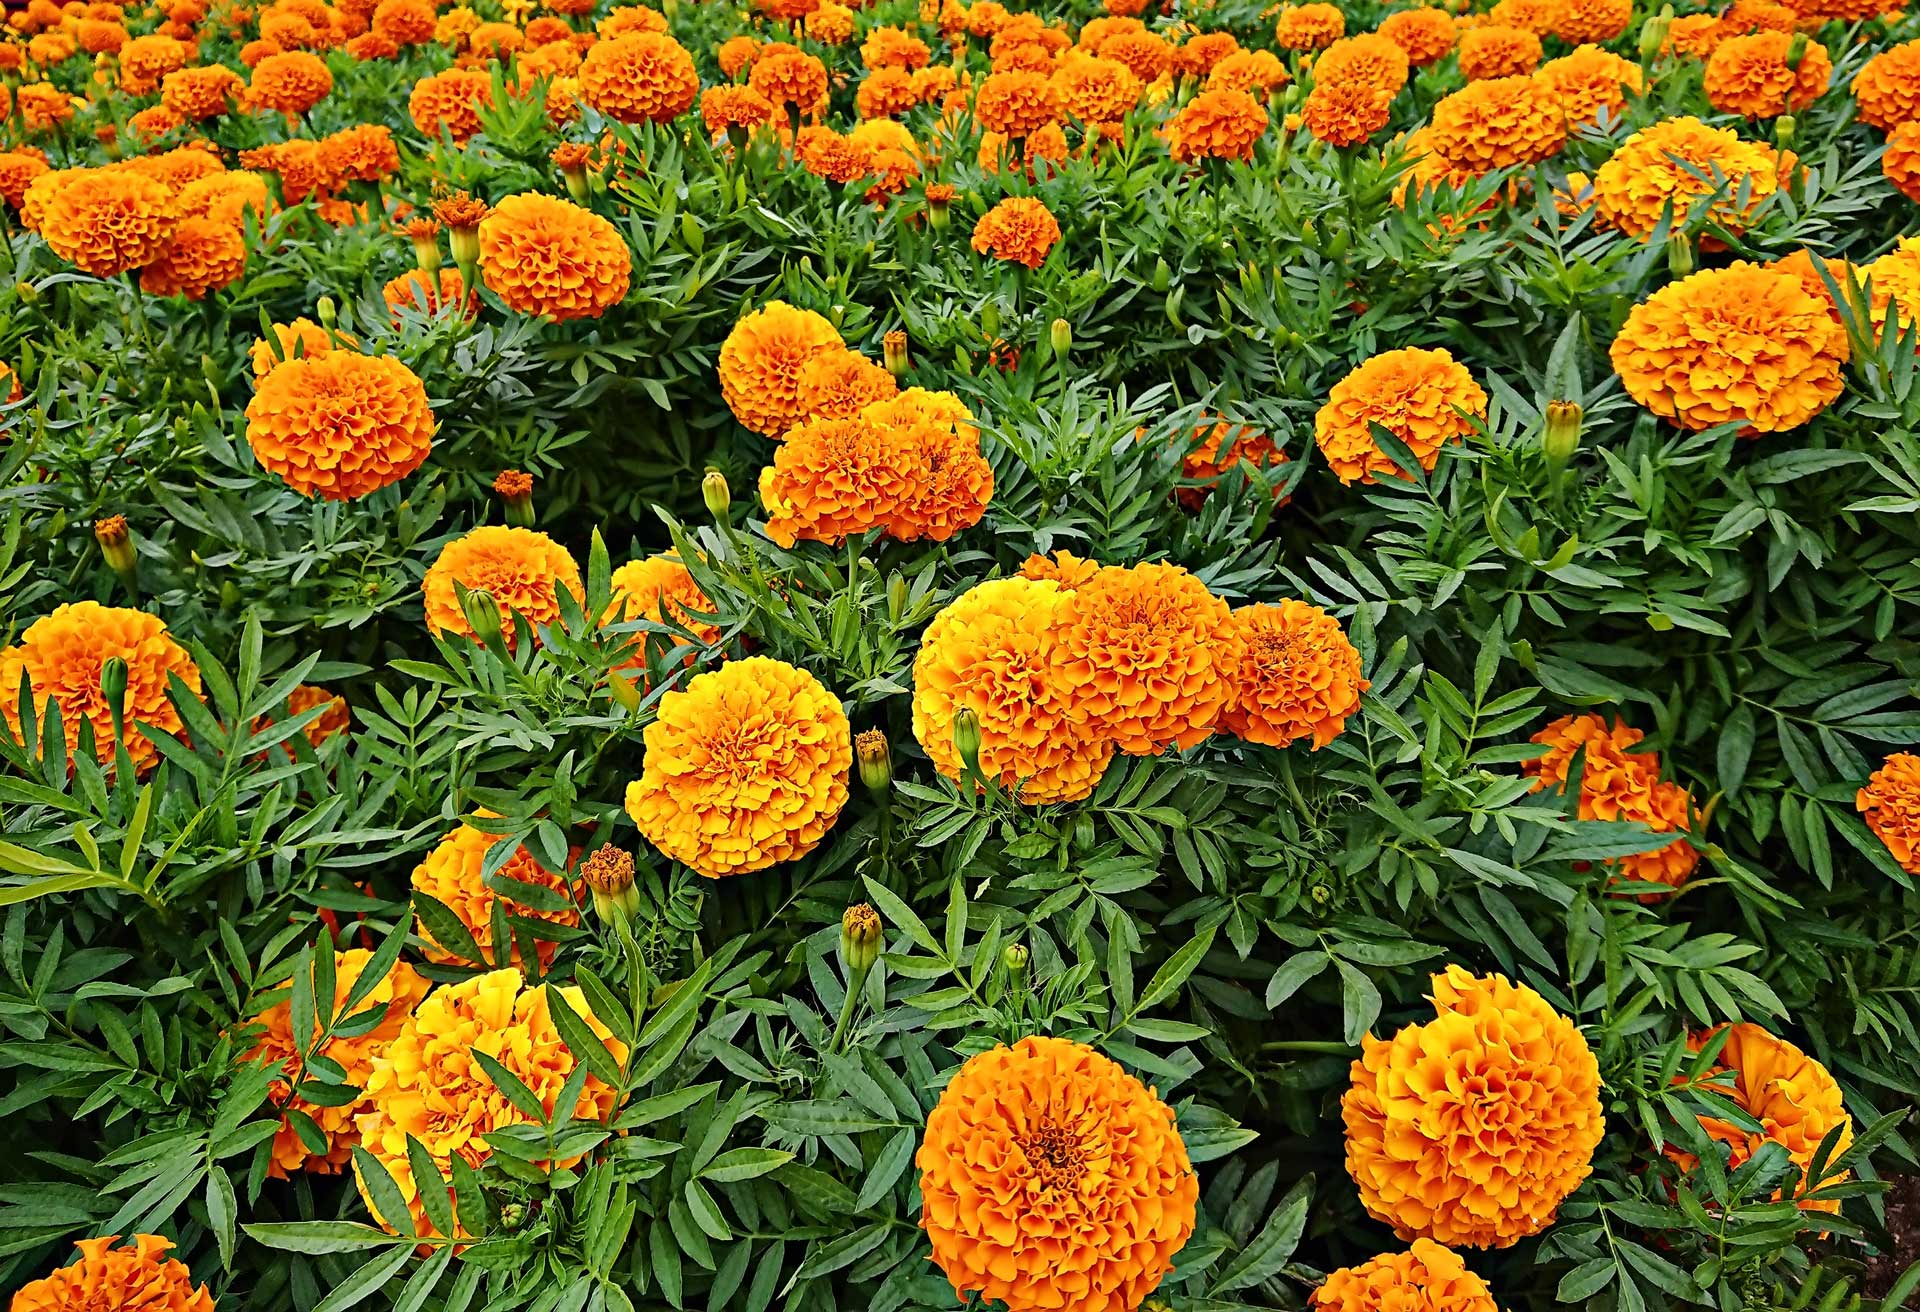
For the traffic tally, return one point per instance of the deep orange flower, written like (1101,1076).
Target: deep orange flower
(1426,1278)
(366,153)
(141,1278)
(1309,26)
(107,221)
(1020,229)
(153,123)
(1474,1127)
(292,82)
(1367,57)
(725,107)
(1578,22)
(1886,90)
(197,94)
(339,424)
(1095,89)
(1216,448)
(1250,70)
(1423,397)
(404,22)
(1895,279)
(335,720)
(761,362)
(645,77)
(43,106)
(1298,676)
(1062,567)
(833,478)
(452,873)
(302,337)
(1499,123)
(1589,80)
(60,656)
(1051,1178)
(1744,344)
(521,568)
(1750,76)
(1616,784)
(1498,51)
(450,100)
(1015,104)
(827,154)
(18,169)
(146,59)
(1346,113)
(1671,163)
(1146,55)
(546,256)
(830,24)
(893,47)
(427,294)
(626,20)
(1694,35)
(840,384)
(1201,52)
(1901,163)
(1890,804)
(744,769)
(1538,16)
(1425,34)
(658,589)
(203,255)
(1217,125)
(883,93)
(790,78)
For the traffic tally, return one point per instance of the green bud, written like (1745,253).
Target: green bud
(329,312)
(896,596)
(691,232)
(875,756)
(113,687)
(715,492)
(1679,254)
(1561,436)
(1162,275)
(1784,128)
(1015,958)
(966,737)
(1061,339)
(483,615)
(894,351)
(861,933)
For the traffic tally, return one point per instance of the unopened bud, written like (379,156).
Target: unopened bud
(329,312)
(1561,436)
(896,596)
(1783,130)
(966,737)
(1015,958)
(113,687)
(513,1215)
(939,197)
(870,748)
(1796,50)
(516,490)
(1061,339)
(465,243)
(426,248)
(116,545)
(1653,33)
(894,347)
(715,492)
(860,933)
(608,875)
(1679,254)
(1162,275)
(483,615)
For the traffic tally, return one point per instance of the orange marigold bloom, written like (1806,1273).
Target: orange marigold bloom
(427,294)
(893,47)
(1051,1178)
(366,153)
(744,769)
(726,107)
(1062,567)
(1367,57)
(1416,394)
(1497,51)
(43,106)
(1750,76)
(450,100)
(1249,70)
(1095,89)
(395,997)
(520,567)
(833,478)
(1616,784)
(1217,125)
(1298,676)
(1578,22)
(1019,228)
(1795,1099)
(1474,1127)
(203,255)
(1744,344)
(827,154)
(840,384)
(735,53)
(405,22)
(60,656)
(1890,803)
(18,169)
(146,59)
(1015,104)
(761,361)
(302,337)
(1202,51)
(1499,123)
(1671,162)
(645,77)
(340,424)
(629,19)
(1589,80)
(1428,1277)
(1894,278)
(546,256)
(197,94)
(107,221)
(883,93)
(335,720)
(1309,26)
(659,589)
(1800,264)
(1886,90)
(141,1278)
(293,82)
(453,874)
(1206,461)
(790,77)
(1426,35)
(830,24)
(1900,164)
(1694,35)
(945,442)
(98,37)
(153,123)
(1346,113)
(1146,56)
(427,1085)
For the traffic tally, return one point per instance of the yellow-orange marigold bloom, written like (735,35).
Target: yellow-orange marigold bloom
(1428,1277)
(139,1278)
(1900,164)
(645,77)
(893,47)
(1472,1128)
(1890,804)
(1298,676)
(1368,57)
(452,873)
(727,107)
(629,19)
(365,153)
(761,362)
(60,656)
(196,94)
(1744,344)
(830,155)
(146,59)
(1146,55)
(1617,784)
(883,93)
(42,106)
(1095,89)
(940,431)
(302,337)
(833,478)
(1249,70)
(659,588)
(1750,76)
(203,255)
(1051,1178)
(1309,26)
(1020,229)
(426,1084)
(395,996)
(1792,1096)
(1498,51)
(1426,35)
(1589,80)
(830,24)
(1537,16)
(292,82)
(744,769)
(405,22)
(450,100)
(107,221)
(427,294)
(1201,52)
(1015,104)
(1694,35)
(521,568)
(789,77)
(1414,393)
(1062,567)
(1578,22)
(98,37)
(546,256)
(1800,264)
(1217,125)
(840,384)
(1670,163)
(18,169)
(1894,278)
(1214,449)
(335,720)
(153,123)
(339,425)
(1498,123)
(1886,90)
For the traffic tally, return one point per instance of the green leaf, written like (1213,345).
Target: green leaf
(1269,1250)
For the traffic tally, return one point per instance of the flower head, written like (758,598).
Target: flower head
(1497,50)
(790,79)
(1751,76)
(955,482)
(339,424)
(138,1278)
(1581,21)
(1020,229)
(1890,804)
(1677,162)
(1346,113)
(1218,447)
(1425,34)
(520,568)
(644,77)
(1309,26)
(1051,1178)
(453,874)
(1498,123)
(197,94)
(659,589)
(1298,676)
(832,478)
(292,82)
(1589,80)
(1473,1127)
(203,255)
(1015,104)
(1426,1278)
(761,362)
(1423,397)
(1616,784)
(1217,124)
(1095,89)
(107,221)
(1886,90)
(450,101)
(546,256)
(745,768)
(1368,57)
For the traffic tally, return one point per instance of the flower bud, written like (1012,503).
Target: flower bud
(990,320)
(1162,275)
(860,933)
(896,596)
(715,492)
(876,761)
(1679,254)
(425,237)
(465,243)
(1796,50)
(116,545)
(608,875)
(894,347)
(966,737)
(1561,436)
(113,687)
(516,490)
(328,311)
(1061,339)
(1015,958)
(513,1215)
(1783,131)
(1653,33)
(483,615)
(939,197)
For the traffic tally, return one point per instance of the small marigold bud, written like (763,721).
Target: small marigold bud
(1783,130)
(1653,33)
(328,311)
(1162,275)
(966,737)
(113,687)
(425,236)
(939,197)
(116,544)
(860,933)
(483,615)
(715,492)
(1015,958)
(571,158)
(876,760)
(1679,254)
(1061,339)
(1796,50)
(516,490)
(462,214)
(608,875)
(1561,437)
(894,351)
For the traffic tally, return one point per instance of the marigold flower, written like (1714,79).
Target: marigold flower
(833,478)
(1900,163)
(146,59)
(893,47)
(1050,1177)
(1201,52)
(1095,89)
(339,424)
(659,588)
(939,431)
(521,569)
(790,78)
(1298,676)
(725,107)
(1795,1099)
(1020,229)
(302,337)
(1217,125)
(1426,35)
(1750,76)
(1890,804)
(366,153)
(1894,280)
(203,255)
(1346,114)
(827,154)
(1473,1127)
(60,656)
(1671,163)
(452,874)
(644,77)
(1428,1277)
(546,256)
(107,221)
(761,361)
(1616,784)
(1578,22)
(153,123)
(1886,90)
(1216,448)
(830,24)
(450,100)
(1015,104)
(1367,57)
(1062,567)
(292,82)
(335,720)
(396,995)
(840,384)
(405,22)
(1538,16)
(1498,123)
(140,1278)
(1309,26)
(1743,344)
(1589,80)
(197,94)
(18,169)
(1694,35)
(744,769)
(1146,55)
(883,93)
(1416,394)
(427,1085)
(427,294)
(626,20)
(1249,70)
(1498,51)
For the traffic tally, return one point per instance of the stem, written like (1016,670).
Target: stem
(847,1008)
